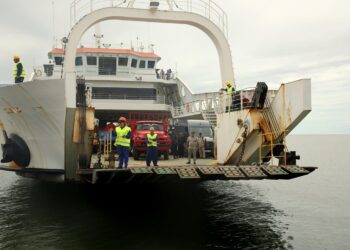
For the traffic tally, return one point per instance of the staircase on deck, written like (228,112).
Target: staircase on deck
(210,115)
(273,125)
(205,107)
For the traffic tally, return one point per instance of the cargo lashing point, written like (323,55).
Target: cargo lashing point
(274,170)
(295,170)
(187,173)
(253,171)
(209,170)
(232,172)
(142,170)
(164,171)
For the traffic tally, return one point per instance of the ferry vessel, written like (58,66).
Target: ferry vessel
(49,122)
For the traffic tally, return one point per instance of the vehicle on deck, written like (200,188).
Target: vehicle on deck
(204,127)
(198,126)
(140,131)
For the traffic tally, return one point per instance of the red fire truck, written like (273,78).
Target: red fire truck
(141,128)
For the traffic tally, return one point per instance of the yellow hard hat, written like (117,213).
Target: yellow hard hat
(151,129)
(228,83)
(16,57)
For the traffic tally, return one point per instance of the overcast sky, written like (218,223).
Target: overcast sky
(271,40)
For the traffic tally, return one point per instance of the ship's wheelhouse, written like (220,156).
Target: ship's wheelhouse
(108,62)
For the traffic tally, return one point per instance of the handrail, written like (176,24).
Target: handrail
(222,103)
(198,106)
(205,8)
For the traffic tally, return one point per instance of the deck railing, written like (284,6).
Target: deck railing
(236,101)
(206,8)
(199,106)
(243,99)
(223,103)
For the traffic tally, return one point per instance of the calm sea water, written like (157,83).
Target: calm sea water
(312,212)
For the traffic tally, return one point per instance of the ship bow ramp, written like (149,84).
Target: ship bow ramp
(248,135)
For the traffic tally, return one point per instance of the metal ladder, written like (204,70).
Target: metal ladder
(210,116)
(271,120)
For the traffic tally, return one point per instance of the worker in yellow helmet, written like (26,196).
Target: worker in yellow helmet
(229,88)
(18,72)
(123,142)
(152,144)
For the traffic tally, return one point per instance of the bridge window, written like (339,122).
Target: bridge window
(124,93)
(134,63)
(142,64)
(151,64)
(78,61)
(91,60)
(123,61)
(107,65)
(58,60)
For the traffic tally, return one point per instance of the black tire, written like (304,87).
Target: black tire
(135,154)
(15,149)
(166,155)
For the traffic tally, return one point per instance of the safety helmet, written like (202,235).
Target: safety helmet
(122,119)
(151,129)
(16,57)
(228,83)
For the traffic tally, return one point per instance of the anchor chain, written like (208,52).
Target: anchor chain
(244,135)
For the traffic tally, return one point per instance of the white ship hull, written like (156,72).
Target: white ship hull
(36,112)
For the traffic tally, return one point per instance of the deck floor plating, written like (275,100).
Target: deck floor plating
(177,170)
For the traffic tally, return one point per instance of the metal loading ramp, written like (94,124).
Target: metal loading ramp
(190,174)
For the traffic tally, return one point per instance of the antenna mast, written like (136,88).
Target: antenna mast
(53,25)
(98,36)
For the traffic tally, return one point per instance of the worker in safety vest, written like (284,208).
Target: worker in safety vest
(230,89)
(152,144)
(230,96)
(122,142)
(18,72)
